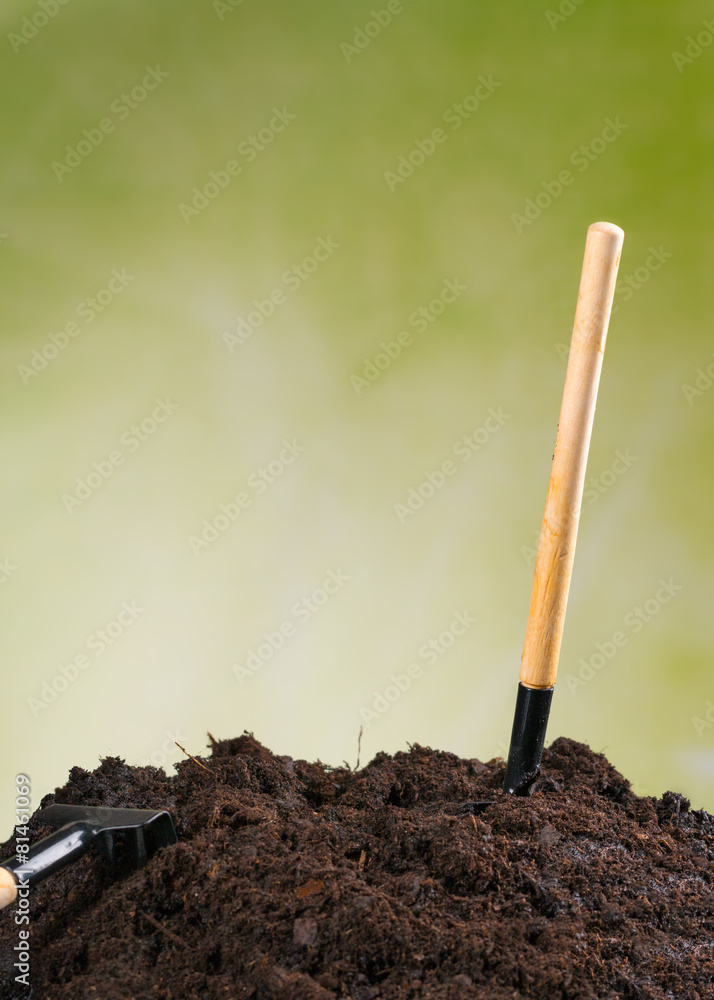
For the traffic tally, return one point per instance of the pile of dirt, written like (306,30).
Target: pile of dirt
(297,881)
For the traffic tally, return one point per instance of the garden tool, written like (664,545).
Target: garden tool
(556,546)
(132,834)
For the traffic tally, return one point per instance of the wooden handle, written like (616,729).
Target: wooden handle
(559,532)
(8,888)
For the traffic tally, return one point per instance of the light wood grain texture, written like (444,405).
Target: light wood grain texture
(556,548)
(8,888)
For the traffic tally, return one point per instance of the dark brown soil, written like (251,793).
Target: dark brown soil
(295,881)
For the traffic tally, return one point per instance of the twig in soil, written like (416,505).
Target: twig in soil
(194,759)
(160,927)
(359,743)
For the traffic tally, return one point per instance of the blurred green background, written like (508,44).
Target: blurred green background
(125,630)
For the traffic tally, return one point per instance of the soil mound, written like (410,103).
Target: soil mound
(296,881)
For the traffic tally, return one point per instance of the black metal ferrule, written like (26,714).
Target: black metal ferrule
(527,738)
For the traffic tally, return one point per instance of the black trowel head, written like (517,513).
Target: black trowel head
(142,831)
(132,835)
